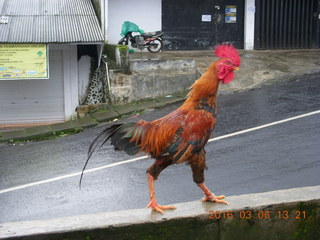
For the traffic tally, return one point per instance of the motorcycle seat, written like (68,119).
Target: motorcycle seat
(152,34)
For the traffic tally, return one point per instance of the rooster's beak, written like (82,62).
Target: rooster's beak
(236,69)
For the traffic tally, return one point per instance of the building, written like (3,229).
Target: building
(201,24)
(61,30)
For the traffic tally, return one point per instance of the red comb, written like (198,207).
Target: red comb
(228,51)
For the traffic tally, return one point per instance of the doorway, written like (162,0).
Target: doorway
(202,24)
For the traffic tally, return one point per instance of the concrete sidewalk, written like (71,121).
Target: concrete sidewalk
(257,67)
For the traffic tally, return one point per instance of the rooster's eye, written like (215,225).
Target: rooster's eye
(228,63)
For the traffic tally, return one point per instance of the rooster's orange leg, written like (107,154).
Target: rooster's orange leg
(210,196)
(153,201)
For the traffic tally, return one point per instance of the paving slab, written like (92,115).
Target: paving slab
(13,135)
(38,132)
(182,94)
(87,122)
(125,109)
(68,126)
(167,100)
(104,116)
(146,104)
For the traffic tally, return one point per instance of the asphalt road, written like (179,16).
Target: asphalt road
(285,155)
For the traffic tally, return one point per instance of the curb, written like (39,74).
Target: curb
(282,214)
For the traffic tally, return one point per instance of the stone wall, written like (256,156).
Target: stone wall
(152,78)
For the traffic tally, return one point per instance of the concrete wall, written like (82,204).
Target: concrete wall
(284,214)
(152,78)
(145,13)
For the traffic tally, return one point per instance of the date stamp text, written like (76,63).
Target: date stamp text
(263,214)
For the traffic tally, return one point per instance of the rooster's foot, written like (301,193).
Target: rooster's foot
(214,198)
(158,208)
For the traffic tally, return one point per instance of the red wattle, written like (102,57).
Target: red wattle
(228,78)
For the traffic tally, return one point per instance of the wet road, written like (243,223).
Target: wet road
(282,156)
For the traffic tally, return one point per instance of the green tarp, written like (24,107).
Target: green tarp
(130,27)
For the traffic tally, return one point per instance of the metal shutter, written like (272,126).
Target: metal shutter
(281,24)
(31,101)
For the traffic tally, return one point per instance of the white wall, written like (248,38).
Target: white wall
(83,77)
(145,13)
(70,78)
(249,13)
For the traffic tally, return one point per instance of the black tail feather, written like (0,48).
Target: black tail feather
(102,138)
(120,135)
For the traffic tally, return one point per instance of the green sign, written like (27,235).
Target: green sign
(23,61)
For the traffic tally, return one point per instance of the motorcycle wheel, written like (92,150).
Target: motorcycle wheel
(155,46)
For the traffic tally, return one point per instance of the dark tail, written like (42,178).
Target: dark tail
(120,135)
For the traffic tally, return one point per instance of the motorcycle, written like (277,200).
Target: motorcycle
(150,40)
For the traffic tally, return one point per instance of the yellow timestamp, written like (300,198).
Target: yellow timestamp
(263,214)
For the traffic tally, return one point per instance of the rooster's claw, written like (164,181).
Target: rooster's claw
(158,208)
(214,198)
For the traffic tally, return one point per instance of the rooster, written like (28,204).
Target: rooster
(181,135)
